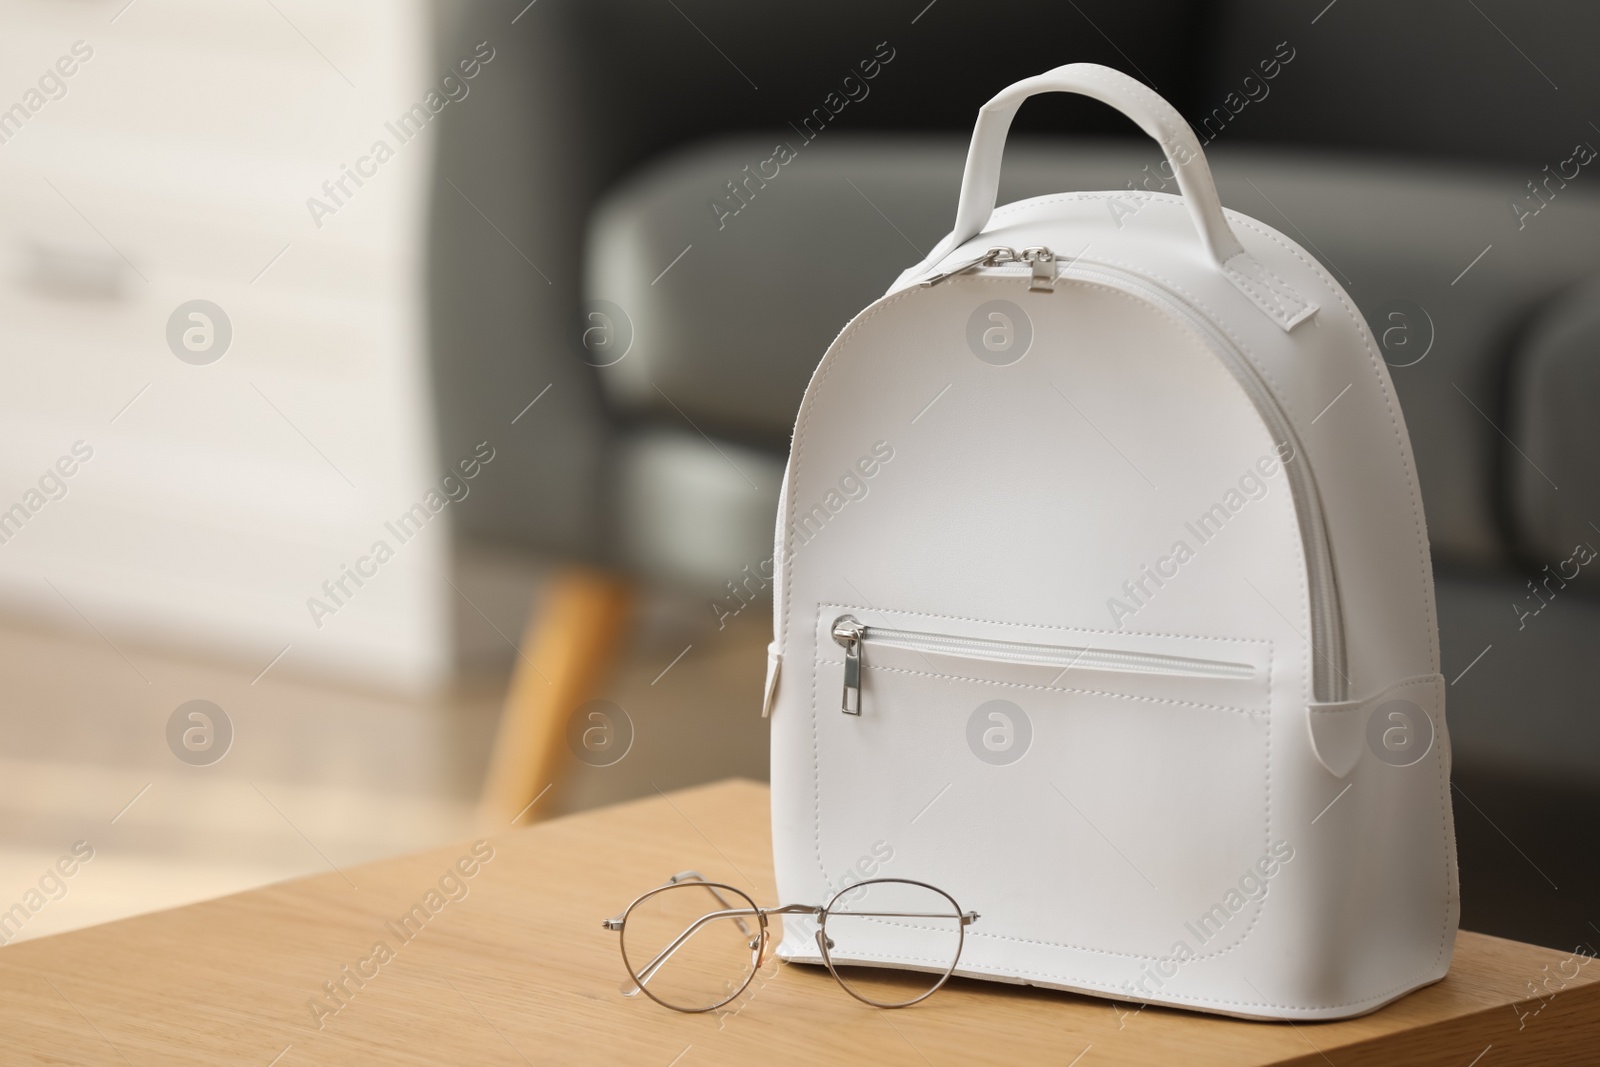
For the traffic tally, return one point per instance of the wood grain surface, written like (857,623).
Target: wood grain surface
(511,967)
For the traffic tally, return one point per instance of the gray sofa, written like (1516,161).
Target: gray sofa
(1393,141)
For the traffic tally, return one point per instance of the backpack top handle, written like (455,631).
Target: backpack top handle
(980,182)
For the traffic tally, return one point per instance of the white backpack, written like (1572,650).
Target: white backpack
(1103,604)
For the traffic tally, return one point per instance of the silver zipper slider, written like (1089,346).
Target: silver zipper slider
(848,632)
(1044,269)
(990,258)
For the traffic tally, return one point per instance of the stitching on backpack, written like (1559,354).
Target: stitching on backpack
(1097,986)
(823,871)
(1236,219)
(1045,626)
(816,781)
(797,450)
(1267,783)
(1411,484)
(1268,299)
(1416,518)
(1302,576)
(1059,689)
(1275,288)
(1425,681)
(1389,407)
(1445,823)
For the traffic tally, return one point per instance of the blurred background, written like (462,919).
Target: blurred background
(394,396)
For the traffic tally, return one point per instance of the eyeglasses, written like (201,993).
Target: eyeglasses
(889,942)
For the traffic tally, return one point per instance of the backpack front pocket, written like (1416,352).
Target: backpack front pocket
(1093,791)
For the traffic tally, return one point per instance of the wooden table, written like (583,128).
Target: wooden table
(519,971)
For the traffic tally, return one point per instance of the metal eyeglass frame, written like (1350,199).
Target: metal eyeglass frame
(639,978)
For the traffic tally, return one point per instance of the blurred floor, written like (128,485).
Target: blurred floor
(316,776)
(320,776)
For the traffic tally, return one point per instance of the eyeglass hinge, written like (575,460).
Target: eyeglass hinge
(611,924)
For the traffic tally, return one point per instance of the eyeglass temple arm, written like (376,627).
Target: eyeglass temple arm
(615,922)
(683,877)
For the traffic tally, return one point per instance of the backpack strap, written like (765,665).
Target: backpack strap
(980,182)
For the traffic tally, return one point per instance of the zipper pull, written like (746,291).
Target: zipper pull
(988,259)
(1044,269)
(848,631)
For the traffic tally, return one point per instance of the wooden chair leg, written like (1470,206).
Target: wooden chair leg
(571,640)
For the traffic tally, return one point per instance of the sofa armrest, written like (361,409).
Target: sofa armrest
(1555,397)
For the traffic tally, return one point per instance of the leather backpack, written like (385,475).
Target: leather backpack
(1104,604)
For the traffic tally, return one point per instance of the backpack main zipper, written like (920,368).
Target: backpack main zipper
(851,633)
(1329,670)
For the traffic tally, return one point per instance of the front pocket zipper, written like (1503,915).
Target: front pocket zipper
(1329,669)
(851,633)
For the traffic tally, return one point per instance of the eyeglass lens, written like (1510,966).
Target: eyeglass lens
(692,947)
(891,943)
